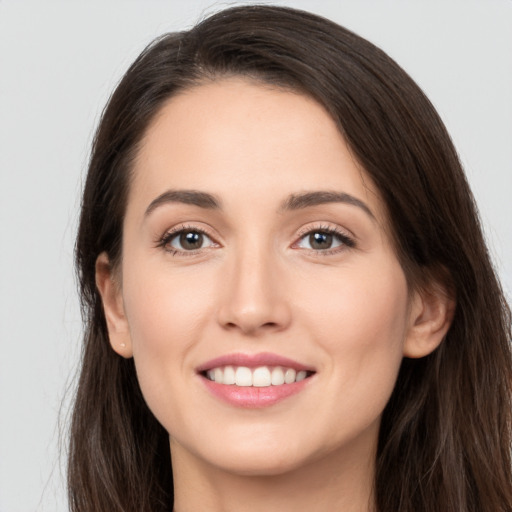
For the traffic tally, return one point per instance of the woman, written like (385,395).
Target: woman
(287,296)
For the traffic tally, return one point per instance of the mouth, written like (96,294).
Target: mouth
(260,377)
(256,380)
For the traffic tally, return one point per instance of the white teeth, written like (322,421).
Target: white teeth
(289,376)
(243,376)
(218,375)
(277,376)
(301,376)
(229,375)
(263,376)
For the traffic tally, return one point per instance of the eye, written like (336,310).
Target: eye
(324,239)
(186,240)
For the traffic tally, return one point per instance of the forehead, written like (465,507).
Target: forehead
(242,139)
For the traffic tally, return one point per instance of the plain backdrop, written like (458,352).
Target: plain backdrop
(59,61)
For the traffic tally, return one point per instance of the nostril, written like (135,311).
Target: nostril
(248,327)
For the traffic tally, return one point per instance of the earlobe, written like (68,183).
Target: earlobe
(430,318)
(110,291)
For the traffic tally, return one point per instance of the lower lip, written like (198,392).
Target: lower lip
(251,397)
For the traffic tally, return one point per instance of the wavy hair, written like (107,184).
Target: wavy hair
(445,437)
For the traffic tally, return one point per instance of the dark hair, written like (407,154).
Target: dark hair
(445,438)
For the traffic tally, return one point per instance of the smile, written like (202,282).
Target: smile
(263,376)
(254,380)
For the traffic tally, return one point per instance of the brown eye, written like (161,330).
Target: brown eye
(191,240)
(188,240)
(323,240)
(320,240)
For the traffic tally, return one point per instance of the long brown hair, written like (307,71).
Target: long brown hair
(445,438)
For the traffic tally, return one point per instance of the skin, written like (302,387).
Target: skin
(257,285)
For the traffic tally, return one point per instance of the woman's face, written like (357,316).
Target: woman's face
(252,239)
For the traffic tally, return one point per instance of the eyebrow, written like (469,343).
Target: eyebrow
(292,203)
(193,197)
(316,198)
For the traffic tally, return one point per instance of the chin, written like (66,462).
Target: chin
(269,457)
(261,466)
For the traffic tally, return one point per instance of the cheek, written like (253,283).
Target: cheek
(162,305)
(166,316)
(365,306)
(360,322)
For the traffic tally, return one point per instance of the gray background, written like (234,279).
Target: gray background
(58,63)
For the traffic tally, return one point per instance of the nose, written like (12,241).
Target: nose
(254,297)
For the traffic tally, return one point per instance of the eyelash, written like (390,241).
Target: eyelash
(346,241)
(173,233)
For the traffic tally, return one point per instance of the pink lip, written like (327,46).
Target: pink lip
(253,361)
(253,397)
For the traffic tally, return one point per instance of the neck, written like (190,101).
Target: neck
(338,481)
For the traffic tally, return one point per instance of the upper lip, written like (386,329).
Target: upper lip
(253,361)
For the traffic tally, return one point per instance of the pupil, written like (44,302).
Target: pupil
(320,240)
(191,240)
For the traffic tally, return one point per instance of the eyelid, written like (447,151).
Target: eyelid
(348,241)
(325,226)
(164,240)
(346,238)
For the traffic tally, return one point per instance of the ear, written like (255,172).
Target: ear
(111,296)
(430,318)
